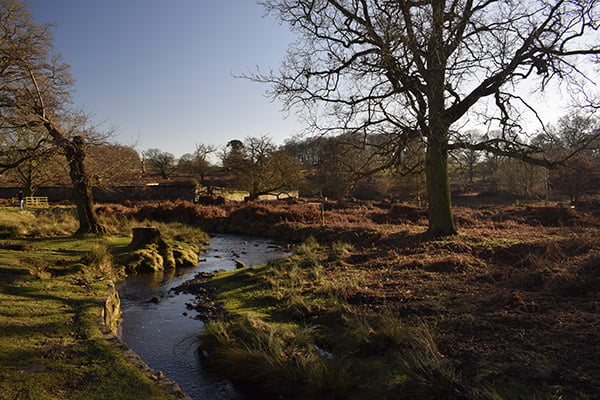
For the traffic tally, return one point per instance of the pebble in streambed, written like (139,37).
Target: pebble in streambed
(203,303)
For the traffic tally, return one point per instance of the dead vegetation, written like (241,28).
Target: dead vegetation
(514,298)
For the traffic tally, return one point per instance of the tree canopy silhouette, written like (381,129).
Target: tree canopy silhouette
(418,69)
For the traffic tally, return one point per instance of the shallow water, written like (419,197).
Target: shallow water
(163,336)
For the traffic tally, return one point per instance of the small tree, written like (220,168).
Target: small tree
(467,160)
(580,173)
(160,161)
(260,168)
(521,178)
(197,164)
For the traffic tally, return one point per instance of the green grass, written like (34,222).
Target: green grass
(304,341)
(51,290)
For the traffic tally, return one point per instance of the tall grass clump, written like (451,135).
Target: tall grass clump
(406,359)
(57,221)
(430,374)
(274,359)
(339,250)
(308,246)
(100,261)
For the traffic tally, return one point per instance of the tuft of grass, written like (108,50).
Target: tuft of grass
(431,375)
(284,359)
(339,250)
(100,260)
(308,246)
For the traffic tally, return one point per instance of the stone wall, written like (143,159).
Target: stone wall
(148,192)
(115,194)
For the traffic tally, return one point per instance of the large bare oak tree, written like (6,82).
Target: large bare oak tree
(419,69)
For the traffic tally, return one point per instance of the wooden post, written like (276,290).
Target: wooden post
(322,208)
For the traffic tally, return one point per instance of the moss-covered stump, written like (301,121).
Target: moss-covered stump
(149,252)
(145,236)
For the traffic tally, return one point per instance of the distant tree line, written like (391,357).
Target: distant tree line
(340,167)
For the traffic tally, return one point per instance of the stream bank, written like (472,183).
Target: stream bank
(161,326)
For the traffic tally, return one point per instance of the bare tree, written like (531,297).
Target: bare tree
(418,69)
(160,161)
(37,171)
(521,178)
(111,163)
(19,145)
(580,174)
(23,154)
(467,159)
(34,93)
(198,163)
(260,168)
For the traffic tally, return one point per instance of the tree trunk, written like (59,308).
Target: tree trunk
(441,222)
(82,191)
(145,236)
(436,161)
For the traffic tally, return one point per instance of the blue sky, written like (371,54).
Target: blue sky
(161,72)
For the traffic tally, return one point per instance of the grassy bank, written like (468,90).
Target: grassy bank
(52,288)
(371,309)
(305,341)
(508,309)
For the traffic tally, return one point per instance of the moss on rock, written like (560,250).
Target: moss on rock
(149,252)
(167,256)
(185,254)
(145,259)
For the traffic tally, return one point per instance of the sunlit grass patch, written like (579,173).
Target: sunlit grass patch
(52,287)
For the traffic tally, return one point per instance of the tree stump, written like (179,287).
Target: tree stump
(145,236)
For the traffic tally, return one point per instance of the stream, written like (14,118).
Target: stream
(164,334)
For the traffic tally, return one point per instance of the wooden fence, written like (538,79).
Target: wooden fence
(31,201)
